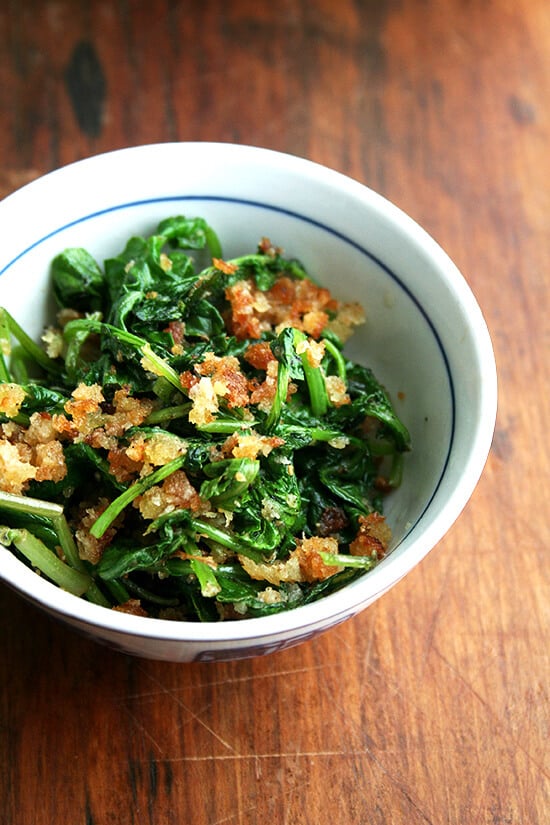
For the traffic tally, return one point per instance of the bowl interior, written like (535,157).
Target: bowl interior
(424,338)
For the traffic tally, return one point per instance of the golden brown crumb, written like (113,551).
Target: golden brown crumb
(312,566)
(251,444)
(49,460)
(175,492)
(373,536)
(177,330)
(290,300)
(11,398)
(276,572)
(53,342)
(99,440)
(128,412)
(259,355)
(205,402)
(121,465)
(64,427)
(336,390)
(132,607)
(227,378)
(11,431)
(262,393)
(245,319)
(347,317)
(287,303)
(270,596)
(224,266)
(314,322)
(41,429)
(89,548)
(225,450)
(188,380)
(16,469)
(65,315)
(156,451)
(30,453)
(85,409)
(304,564)
(314,350)
(221,377)
(267,248)
(89,422)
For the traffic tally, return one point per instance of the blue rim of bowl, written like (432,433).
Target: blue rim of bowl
(331,231)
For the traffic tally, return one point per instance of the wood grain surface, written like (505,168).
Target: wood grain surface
(431,707)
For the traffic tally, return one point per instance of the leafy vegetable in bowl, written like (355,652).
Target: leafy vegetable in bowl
(191,442)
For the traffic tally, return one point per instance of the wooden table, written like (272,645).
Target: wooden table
(431,706)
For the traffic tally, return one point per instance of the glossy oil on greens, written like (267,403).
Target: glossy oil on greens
(185,563)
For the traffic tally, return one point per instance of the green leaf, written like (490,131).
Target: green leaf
(77,280)
(203,320)
(369,398)
(121,559)
(190,233)
(149,359)
(39,398)
(153,295)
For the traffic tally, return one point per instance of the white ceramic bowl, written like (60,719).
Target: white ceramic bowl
(425,339)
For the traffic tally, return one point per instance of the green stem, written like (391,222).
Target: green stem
(206,578)
(117,590)
(315,381)
(41,557)
(18,366)
(317,434)
(5,348)
(5,377)
(396,471)
(167,414)
(215,534)
(225,426)
(154,363)
(283,375)
(380,446)
(148,595)
(118,504)
(94,594)
(54,513)
(337,357)
(67,542)
(32,349)
(341,560)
